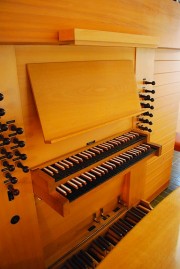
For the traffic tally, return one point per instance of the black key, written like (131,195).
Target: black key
(71,263)
(98,247)
(112,231)
(133,216)
(127,223)
(131,221)
(121,229)
(83,258)
(110,239)
(102,243)
(89,251)
(126,227)
(107,243)
(138,212)
(86,255)
(115,229)
(79,262)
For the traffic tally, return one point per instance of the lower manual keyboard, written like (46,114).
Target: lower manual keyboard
(79,185)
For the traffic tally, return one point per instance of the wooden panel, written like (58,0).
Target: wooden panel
(164,121)
(160,127)
(157,175)
(144,65)
(167,55)
(13,250)
(166,100)
(166,66)
(164,90)
(167,78)
(75,97)
(167,136)
(37,21)
(35,54)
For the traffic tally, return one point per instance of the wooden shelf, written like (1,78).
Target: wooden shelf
(104,38)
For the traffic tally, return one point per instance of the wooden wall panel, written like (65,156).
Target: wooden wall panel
(167,55)
(167,78)
(167,66)
(40,21)
(165,90)
(165,112)
(157,178)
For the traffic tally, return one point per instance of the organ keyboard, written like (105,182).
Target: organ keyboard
(66,179)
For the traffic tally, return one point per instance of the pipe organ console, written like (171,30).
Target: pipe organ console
(85,130)
(69,178)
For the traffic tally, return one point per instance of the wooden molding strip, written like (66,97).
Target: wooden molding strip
(80,37)
(104,38)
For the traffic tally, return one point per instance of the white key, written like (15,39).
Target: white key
(89,174)
(77,182)
(53,169)
(83,155)
(86,177)
(48,171)
(81,180)
(66,188)
(64,164)
(61,191)
(73,159)
(72,184)
(68,162)
(60,166)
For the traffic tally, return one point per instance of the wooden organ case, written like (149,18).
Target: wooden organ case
(87,152)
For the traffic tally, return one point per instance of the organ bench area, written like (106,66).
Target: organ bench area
(76,125)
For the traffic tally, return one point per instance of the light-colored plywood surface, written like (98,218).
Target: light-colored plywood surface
(167,78)
(156,177)
(167,55)
(75,97)
(164,90)
(166,66)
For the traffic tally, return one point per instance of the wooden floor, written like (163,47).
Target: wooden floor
(175,180)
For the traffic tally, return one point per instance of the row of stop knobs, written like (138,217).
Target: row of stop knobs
(10,146)
(16,153)
(145,96)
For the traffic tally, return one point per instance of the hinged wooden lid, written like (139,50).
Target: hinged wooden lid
(75,97)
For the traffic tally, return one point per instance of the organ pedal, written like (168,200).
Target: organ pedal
(63,180)
(102,237)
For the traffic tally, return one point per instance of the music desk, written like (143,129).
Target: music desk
(155,241)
